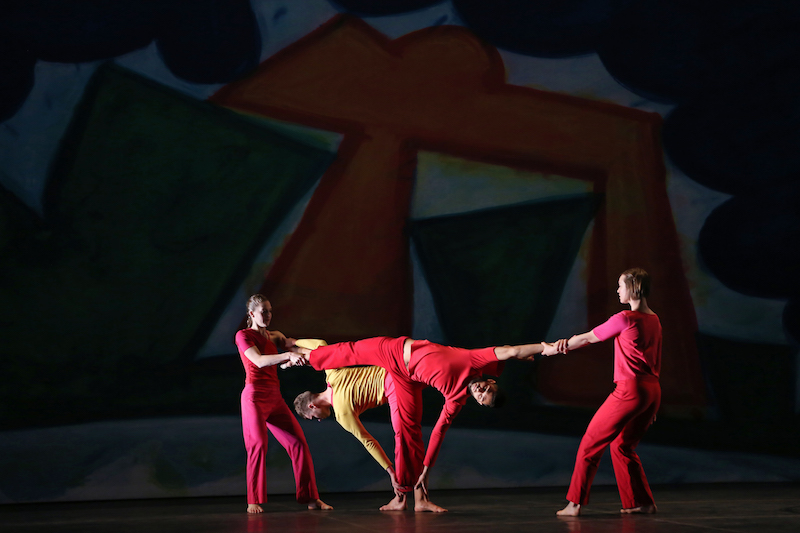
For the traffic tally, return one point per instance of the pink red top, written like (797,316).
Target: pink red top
(637,346)
(265,378)
(449,370)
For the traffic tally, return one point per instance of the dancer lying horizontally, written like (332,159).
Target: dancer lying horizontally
(413,365)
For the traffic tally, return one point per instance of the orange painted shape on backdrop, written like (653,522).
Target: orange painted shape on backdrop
(345,273)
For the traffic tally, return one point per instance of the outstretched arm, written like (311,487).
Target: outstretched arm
(352,424)
(576,341)
(450,410)
(301,357)
(261,360)
(287,344)
(523,352)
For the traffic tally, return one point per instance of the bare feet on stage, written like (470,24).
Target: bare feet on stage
(319,505)
(422,503)
(643,509)
(572,509)
(397,504)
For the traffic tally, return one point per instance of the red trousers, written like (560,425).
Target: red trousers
(266,409)
(621,421)
(406,414)
(405,400)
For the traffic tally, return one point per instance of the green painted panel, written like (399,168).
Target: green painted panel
(156,207)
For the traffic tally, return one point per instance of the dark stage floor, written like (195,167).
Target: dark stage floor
(756,508)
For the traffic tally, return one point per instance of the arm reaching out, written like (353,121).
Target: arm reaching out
(299,357)
(351,423)
(523,352)
(261,360)
(575,342)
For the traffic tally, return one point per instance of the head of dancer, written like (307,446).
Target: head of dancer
(259,311)
(306,405)
(486,392)
(633,284)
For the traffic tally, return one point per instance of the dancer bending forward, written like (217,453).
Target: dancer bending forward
(351,391)
(413,365)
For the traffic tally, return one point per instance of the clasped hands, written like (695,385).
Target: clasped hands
(561,346)
(296,355)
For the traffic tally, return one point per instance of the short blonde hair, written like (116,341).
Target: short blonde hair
(302,402)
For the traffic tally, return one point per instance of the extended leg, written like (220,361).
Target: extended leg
(634,490)
(620,407)
(405,402)
(385,352)
(255,435)
(399,502)
(290,435)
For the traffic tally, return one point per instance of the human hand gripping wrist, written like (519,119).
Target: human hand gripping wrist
(396,486)
(295,359)
(422,482)
(549,349)
(562,346)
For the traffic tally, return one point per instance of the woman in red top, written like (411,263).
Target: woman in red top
(263,407)
(627,413)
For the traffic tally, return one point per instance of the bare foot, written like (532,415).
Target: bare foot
(643,509)
(572,509)
(397,504)
(423,504)
(254,508)
(319,505)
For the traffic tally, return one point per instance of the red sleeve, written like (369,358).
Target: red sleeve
(244,341)
(485,361)
(612,327)
(449,411)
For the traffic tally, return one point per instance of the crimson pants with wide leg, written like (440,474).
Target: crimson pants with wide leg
(267,409)
(621,422)
(405,400)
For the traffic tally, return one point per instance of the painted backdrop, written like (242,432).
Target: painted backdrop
(474,173)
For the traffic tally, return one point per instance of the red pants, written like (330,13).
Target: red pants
(405,400)
(406,415)
(266,409)
(621,422)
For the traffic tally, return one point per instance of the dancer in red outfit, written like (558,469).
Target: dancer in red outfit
(627,413)
(414,365)
(263,407)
